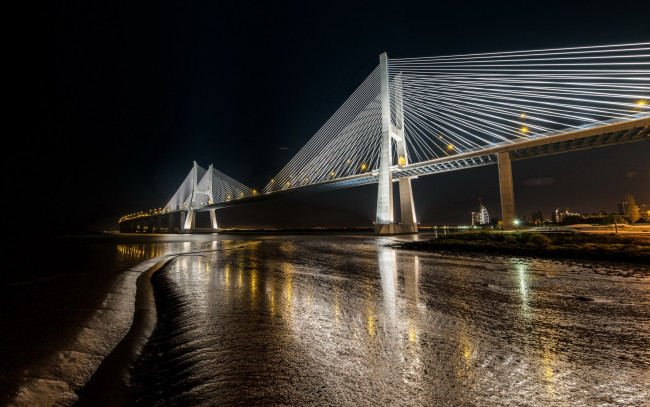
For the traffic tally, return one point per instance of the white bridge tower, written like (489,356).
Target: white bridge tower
(385,223)
(190,219)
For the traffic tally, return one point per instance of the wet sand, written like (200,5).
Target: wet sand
(347,321)
(327,320)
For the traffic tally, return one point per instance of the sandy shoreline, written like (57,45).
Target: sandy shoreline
(69,330)
(114,373)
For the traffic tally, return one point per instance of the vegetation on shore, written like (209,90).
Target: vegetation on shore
(559,245)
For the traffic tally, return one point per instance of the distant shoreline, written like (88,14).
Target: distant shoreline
(570,246)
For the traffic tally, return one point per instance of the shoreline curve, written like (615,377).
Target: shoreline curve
(110,384)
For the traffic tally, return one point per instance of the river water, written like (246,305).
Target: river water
(344,320)
(332,320)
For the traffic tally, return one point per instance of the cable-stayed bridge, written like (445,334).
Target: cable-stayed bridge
(418,116)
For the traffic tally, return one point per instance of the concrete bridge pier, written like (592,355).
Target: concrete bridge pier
(190,220)
(182,224)
(507,191)
(213,220)
(171,225)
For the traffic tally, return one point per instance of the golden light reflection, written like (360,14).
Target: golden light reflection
(372,330)
(253,288)
(139,251)
(270,292)
(272,303)
(337,303)
(466,368)
(548,362)
(412,331)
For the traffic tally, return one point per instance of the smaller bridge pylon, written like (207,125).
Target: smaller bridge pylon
(201,189)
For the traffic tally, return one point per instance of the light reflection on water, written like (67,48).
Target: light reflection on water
(346,323)
(140,252)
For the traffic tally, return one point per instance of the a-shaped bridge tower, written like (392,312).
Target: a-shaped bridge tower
(393,131)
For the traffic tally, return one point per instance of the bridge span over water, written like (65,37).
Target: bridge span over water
(419,116)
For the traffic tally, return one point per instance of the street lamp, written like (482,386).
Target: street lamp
(516,222)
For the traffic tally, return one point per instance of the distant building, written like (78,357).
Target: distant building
(558,216)
(481,217)
(644,211)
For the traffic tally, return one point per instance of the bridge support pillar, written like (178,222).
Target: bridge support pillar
(507,191)
(171,225)
(189,220)
(407,207)
(182,224)
(213,220)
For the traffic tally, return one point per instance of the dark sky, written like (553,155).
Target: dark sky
(116,99)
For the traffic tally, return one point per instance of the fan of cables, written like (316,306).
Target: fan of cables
(454,104)
(346,145)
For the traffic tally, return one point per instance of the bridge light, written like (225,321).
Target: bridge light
(524,129)
(288,183)
(332,173)
(522,115)
(363,167)
(450,147)
(272,180)
(349,161)
(254,192)
(306,179)
(641,103)
(401,160)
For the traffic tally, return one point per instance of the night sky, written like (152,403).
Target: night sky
(117,99)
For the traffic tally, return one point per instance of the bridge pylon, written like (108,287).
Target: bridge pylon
(190,219)
(385,222)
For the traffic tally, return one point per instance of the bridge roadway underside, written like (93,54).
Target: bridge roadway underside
(606,134)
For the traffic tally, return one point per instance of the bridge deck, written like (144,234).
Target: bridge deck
(595,135)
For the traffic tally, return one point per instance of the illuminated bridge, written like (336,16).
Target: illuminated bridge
(418,116)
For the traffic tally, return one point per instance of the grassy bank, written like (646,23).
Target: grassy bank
(565,245)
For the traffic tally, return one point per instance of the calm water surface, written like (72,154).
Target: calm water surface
(336,320)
